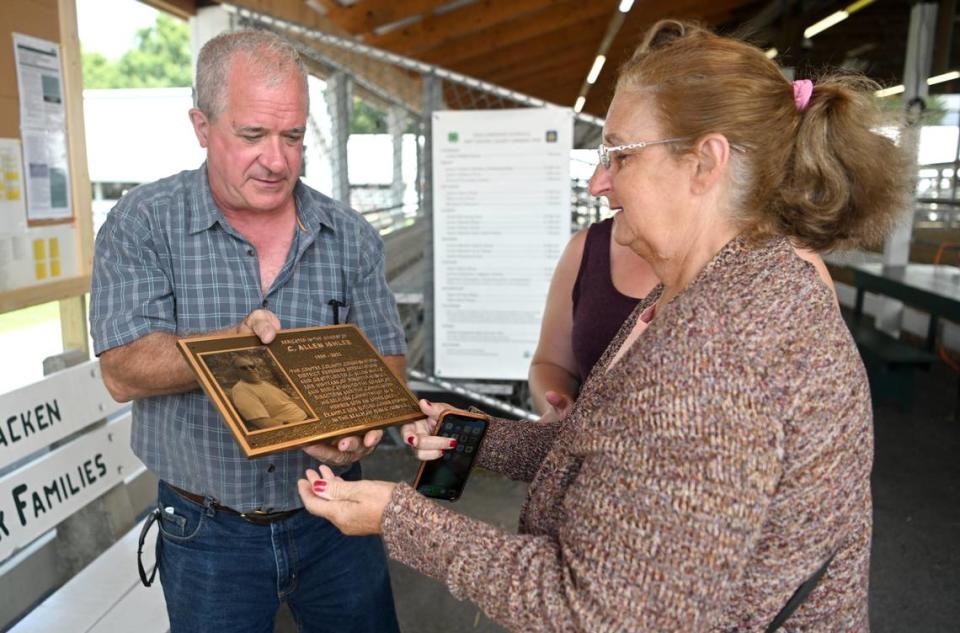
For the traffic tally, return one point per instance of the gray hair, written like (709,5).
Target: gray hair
(266,56)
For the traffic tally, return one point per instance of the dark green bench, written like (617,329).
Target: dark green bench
(890,362)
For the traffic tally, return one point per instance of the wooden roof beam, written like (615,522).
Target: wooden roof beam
(585,33)
(570,59)
(558,78)
(367,15)
(525,28)
(183,9)
(436,29)
(296,11)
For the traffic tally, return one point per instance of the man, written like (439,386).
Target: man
(241,246)
(260,403)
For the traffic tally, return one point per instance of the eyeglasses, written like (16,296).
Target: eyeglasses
(604,152)
(147,578)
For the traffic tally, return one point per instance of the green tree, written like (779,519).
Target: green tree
(367,119)
(160,59)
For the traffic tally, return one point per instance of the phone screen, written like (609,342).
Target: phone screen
(444,478)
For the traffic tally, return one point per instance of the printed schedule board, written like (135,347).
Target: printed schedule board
(501,219)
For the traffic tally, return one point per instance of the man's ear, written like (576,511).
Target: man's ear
(201,126)
(713,157)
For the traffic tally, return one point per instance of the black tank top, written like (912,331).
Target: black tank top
(599,309)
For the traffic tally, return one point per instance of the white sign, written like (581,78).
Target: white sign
(39,82)
(43,127)
(48,175)
(37,497)
(13,214)
(501,220)
(61,404)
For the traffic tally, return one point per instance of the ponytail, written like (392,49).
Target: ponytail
(845,182)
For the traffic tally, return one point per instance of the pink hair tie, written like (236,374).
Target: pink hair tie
(802,90)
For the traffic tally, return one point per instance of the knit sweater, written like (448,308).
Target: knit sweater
(696,483)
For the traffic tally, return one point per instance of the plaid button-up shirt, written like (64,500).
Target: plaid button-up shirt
(168,261)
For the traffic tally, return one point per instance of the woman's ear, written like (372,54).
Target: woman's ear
(712,161)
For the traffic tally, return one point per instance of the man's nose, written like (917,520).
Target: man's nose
(272,156)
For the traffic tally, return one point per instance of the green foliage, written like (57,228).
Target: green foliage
(936,112)
(27,317)
(367,119)
(161,59)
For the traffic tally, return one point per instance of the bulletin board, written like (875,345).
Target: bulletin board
(46,235)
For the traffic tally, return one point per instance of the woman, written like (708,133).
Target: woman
(596,285)
(713,464)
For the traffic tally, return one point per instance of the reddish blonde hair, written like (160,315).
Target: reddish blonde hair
(824,177)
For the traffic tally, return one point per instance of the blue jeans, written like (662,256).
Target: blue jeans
(221,573)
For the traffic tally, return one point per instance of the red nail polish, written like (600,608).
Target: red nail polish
(453,443)
(429,404)
(319,485)
(410,440)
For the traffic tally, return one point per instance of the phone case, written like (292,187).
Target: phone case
(471,446)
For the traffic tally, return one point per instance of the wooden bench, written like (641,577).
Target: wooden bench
(72,496)
(891,363)
(106,596)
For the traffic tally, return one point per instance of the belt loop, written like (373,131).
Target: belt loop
(208,503)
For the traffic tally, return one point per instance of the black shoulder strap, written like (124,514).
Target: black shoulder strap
(799,596)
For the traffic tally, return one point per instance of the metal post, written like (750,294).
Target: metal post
(896,250)
(432,100)
(340,106)
(396,120)
(205,25)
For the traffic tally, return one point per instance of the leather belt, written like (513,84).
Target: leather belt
(258,517)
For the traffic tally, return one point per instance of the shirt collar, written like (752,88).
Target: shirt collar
(312,212)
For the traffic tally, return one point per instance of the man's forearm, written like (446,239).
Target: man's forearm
(153,366)
(149,366)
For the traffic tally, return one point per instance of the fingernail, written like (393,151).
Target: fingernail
(429,404)
(319,485)
(410,439)
(453,443)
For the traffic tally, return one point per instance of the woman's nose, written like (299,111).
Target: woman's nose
(600,184)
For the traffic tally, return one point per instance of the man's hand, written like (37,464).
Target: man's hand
(263,323)
(346,450)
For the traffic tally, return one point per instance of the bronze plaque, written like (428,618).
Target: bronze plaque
(308,385)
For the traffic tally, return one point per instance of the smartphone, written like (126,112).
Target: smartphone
(445,478)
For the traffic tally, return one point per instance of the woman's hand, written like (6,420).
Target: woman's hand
(560,406)
(355,507)
(419,434)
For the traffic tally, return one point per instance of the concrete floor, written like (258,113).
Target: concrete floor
(915,567)
(915,572)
